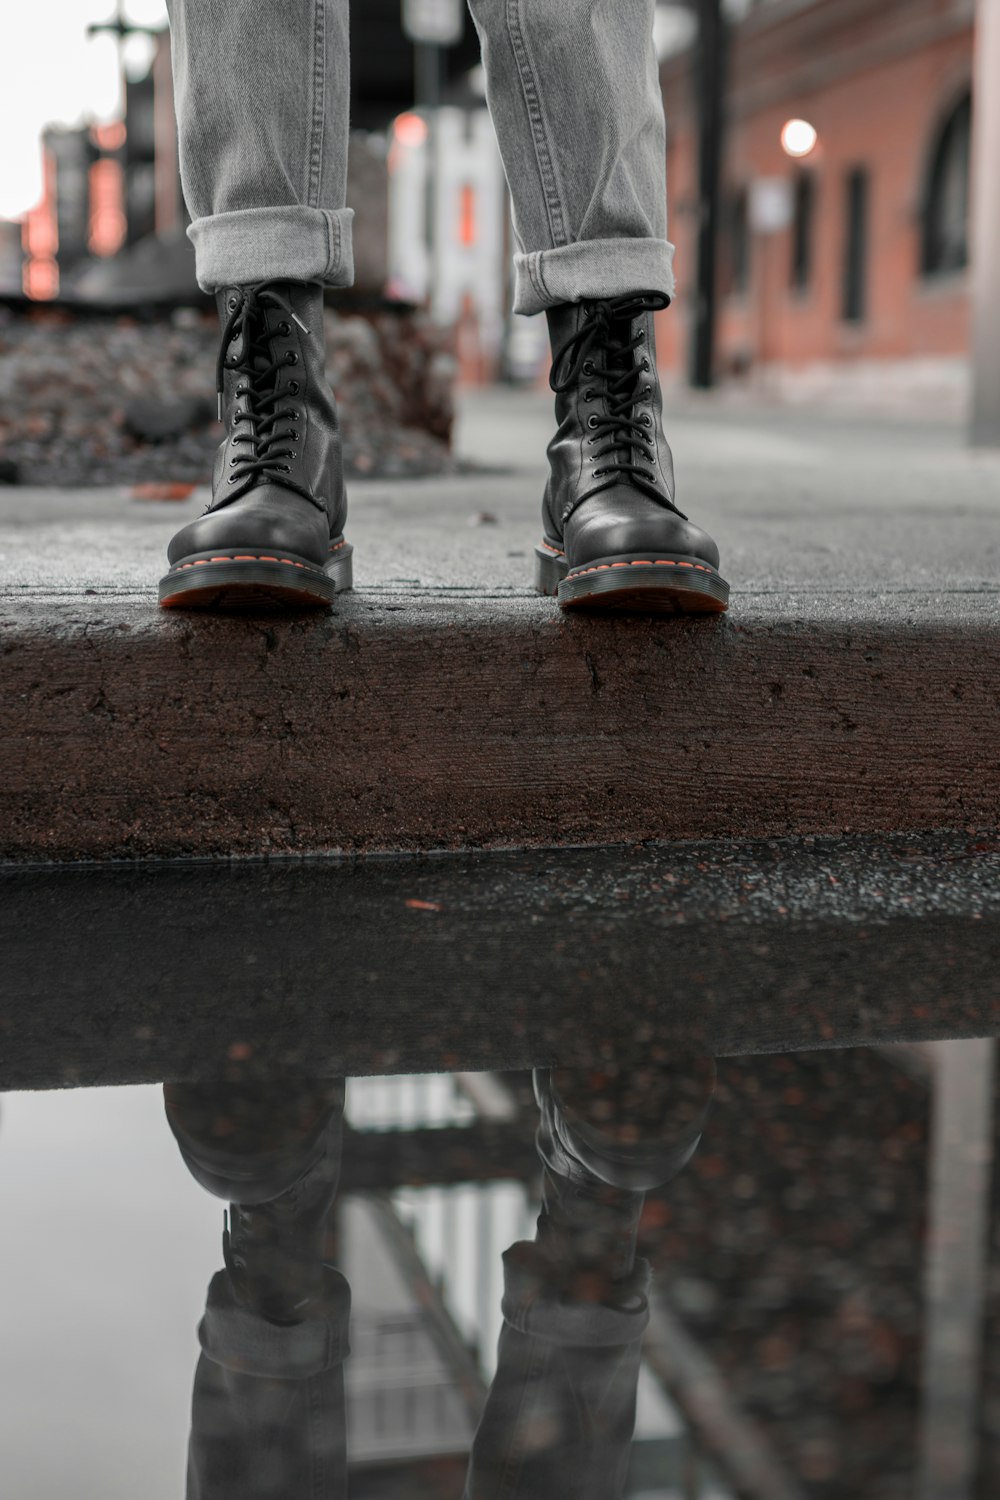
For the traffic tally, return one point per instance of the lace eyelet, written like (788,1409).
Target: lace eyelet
(293,387)
(284,328)
(588,367)
(232,479)
(294,436)
(646,419)
(641,335)
(588,394)
(592,420)
(233,303)
(645,364)
(291,358)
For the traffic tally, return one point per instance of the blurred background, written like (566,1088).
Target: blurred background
(820,181)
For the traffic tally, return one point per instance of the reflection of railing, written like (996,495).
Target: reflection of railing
(414,1101)
(460,1234)
(402,1397)
(458,1228)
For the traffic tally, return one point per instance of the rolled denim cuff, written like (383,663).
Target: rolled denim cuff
(591,268)
(294,243)
(532,1307)
(240,1340)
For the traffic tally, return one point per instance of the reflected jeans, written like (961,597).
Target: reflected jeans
(262,95)
(268,1416)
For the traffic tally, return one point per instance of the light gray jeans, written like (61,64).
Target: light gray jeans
(573,88)
(268,1416)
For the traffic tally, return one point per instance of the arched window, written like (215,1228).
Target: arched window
(946,202)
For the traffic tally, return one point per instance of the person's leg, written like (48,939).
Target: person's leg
(268,1415)
(574,93)
(560,1411)
(262,94)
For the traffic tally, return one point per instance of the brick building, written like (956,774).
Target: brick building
(852,260)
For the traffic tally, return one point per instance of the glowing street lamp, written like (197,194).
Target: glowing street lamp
(798,137)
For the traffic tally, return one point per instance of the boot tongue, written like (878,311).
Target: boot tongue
(257,353)
(620,334)
(615,352)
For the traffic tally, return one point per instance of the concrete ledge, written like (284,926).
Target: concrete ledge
(452,718)
(134,973)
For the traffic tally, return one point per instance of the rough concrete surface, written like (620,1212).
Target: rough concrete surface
(855,683)
(199,969)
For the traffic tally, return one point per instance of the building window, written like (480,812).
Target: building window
(738,247)
(803,211)
(946,200)
(854,301)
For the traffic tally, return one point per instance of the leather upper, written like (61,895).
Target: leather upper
(299,507)
(593,515)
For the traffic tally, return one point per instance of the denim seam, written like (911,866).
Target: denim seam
(536,119)
(334,252)
(537,275)
(513,1461)
(319,1480)
(318,102)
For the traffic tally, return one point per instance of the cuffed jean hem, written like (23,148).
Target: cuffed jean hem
(293,243)
(591,268)
(232,1336)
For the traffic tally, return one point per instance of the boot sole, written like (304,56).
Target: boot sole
(244,580)
(639,584)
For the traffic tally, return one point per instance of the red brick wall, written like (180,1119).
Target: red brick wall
(883,114)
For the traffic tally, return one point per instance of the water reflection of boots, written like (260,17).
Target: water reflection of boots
(268,1411)
(604,1139)
(560,1412)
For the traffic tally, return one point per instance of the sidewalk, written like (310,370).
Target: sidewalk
(852,685)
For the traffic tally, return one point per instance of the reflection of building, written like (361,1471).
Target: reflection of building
(106,186)
(448,225)
(858,252)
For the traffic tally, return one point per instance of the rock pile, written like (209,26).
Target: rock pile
(91,399)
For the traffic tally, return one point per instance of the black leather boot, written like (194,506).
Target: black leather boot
(604,1140)
(612,535)
(273,535)
(274,1151)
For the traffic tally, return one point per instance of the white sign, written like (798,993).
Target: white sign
(771,204)
(437,21)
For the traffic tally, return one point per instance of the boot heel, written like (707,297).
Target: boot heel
(340,568)
(550,569)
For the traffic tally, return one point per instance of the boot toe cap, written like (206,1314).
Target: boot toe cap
(268,518)
(618,523)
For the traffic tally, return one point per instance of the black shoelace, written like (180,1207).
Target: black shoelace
(602,351)
(269,437)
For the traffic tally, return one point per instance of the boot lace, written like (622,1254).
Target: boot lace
(269,437)
(602,350)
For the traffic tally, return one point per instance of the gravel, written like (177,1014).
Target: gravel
(78,391)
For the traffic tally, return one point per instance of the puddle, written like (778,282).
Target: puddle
(661,1275)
